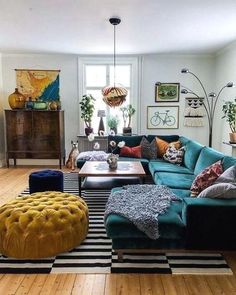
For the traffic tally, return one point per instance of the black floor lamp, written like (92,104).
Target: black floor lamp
(209,102)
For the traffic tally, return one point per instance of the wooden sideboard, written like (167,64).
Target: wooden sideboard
(35,134)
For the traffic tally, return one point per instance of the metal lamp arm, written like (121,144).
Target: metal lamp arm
(217,97)
(208,104)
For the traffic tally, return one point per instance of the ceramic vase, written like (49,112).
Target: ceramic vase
(17,100)
(112,160)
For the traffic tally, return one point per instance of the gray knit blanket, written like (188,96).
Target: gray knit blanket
(141,204)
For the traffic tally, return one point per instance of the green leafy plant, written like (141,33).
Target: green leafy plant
(127,112)
(87,109)
(229,110)
(113,122)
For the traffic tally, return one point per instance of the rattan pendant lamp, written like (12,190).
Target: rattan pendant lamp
(114,95)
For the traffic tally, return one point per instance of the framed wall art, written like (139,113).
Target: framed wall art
(38,84)
(166,92)
(162,117)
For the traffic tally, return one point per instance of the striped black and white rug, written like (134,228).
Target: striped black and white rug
(95,254)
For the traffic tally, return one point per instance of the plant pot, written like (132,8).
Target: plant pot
(127,131)
(232,137)
(114,130)
(88,130)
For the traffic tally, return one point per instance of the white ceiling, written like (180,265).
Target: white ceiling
(82,26)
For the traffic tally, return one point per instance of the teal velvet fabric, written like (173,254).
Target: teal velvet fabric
(174,180)
(228,162)
(130,141)
(207,157)
(164,166)
(181,193)
(168,138)
(192,151)
(80,163)
(170,225)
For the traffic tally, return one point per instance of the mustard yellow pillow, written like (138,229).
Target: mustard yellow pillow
(163,145)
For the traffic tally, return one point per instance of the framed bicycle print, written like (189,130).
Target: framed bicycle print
(162,117)
(166,92)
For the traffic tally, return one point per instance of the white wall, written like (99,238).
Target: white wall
(163,68)
(68,84)
(167,68)
(226,71)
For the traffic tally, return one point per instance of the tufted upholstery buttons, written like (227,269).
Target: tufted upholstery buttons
(42,228)
(46,180)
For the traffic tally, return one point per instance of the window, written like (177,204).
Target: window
(98,73)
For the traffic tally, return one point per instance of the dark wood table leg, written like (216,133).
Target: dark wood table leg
(80,184)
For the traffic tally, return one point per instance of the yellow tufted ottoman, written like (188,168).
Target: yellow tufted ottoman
(42,225)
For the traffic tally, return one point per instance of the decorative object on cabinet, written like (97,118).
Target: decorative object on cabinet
(166,92)
(162,117)
(29,105)
(40,105)
(16,100)
(38,84)
(209,102)
(127,113)
(194,112)
(35,134)
(113,122)
(114,95)
(229,110)
(101,114)
(87,110)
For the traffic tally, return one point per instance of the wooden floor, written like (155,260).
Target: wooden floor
(14,180)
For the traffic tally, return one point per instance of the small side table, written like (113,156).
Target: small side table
(233,145)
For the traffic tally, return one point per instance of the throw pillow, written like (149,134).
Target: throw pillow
(148,149)
(93,156)
(228,176)
(162,146)
(132,152)
(206,178)
(219,190)
(173,155)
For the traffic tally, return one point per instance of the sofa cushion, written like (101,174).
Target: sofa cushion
(148,149)
(206,178)
(170,225)
(174,155)
(192,151)
(228,162)
(132,152)
(174,180)
(181,193)
(207,157)
(163,145)
(130,141)
(163,166)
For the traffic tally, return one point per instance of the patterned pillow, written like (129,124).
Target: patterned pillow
(174,155)
(206,178)
(93,156)
(149,150)
(163,145)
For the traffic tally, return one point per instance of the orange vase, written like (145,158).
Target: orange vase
(16,100)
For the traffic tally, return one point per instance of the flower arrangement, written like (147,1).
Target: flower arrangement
(113,145)
(96,145)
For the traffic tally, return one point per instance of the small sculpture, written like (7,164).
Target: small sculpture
(112,160)
(70,163)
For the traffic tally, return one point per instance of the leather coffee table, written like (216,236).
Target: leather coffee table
(124,174)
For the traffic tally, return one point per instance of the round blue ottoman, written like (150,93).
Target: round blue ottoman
(46,180)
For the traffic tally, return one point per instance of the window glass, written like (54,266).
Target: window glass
(95,75)
(122,75)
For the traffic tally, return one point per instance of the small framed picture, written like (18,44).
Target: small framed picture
(166,92)
(162,117)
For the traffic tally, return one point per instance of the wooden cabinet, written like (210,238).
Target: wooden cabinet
(32,134)
(85,145)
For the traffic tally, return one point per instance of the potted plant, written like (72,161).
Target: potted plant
(87,110)
(112,123)
(127,112)
(229,110)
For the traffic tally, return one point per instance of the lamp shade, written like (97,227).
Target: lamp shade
(114,96)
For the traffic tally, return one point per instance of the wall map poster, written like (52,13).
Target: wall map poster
(38,84)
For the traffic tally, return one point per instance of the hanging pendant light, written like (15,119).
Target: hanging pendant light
(114,95)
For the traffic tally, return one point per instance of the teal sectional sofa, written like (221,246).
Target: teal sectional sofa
(193,223)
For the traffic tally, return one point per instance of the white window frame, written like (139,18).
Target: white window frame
(134,89)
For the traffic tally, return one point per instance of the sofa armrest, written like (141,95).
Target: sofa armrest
(210,223)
